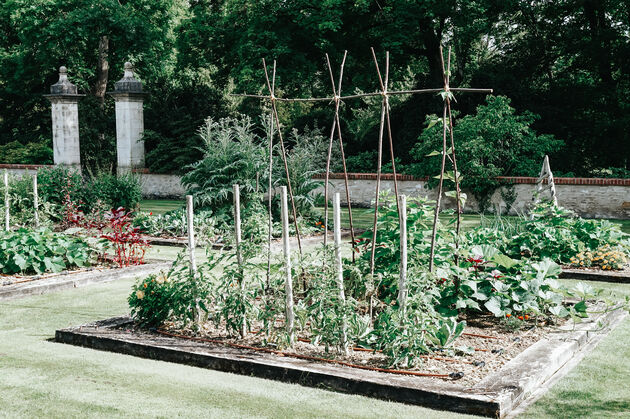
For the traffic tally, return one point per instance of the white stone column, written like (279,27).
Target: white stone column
(129,121)
(65,121)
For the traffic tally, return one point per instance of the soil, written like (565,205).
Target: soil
(494,344)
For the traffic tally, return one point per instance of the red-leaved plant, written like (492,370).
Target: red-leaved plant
(129,246)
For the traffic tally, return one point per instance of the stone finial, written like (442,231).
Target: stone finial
(128,84)
(63,86)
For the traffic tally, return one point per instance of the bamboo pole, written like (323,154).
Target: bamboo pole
(338,262)
(273,99)
(439,193)
(238,245)
(337,123)
(363,95)
(7,222)
(447,75)
(269,201)
(288,284)
(35,201)
(376,203)
(385,104)
(402,281)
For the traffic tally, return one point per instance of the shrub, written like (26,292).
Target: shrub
(172,295)
(129,247)
(103,189)
(123,190)
(30,153)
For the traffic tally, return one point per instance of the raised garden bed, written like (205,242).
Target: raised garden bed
(595,274)
(493,389)
(12,287)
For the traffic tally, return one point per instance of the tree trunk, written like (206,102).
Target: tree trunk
(102,69)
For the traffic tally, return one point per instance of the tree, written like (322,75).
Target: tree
(495,141)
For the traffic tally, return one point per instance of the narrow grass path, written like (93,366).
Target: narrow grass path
(599,387)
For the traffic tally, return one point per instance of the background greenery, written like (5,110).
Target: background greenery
(566,62)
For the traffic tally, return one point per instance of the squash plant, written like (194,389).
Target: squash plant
(41,250)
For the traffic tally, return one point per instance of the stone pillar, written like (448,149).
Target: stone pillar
(65,121)
(129,121)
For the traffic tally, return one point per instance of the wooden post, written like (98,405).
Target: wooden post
(342,295)
(35,201)
(191,235)
(402,281)
(6,200)
(237,245)
(288,285)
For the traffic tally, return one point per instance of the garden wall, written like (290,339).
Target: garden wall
(589,197)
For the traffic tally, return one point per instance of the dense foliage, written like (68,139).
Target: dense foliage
(494,141)
(57,185)
(564,61)
(41,250)
(487,278)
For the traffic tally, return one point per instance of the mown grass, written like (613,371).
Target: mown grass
(40,378)
(599,386)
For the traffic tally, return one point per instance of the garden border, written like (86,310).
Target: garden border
(601,276)
(77,279)
(495,396)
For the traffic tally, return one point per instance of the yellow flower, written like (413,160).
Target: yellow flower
(140,294)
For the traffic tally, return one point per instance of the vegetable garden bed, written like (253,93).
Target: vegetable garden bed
(495,393)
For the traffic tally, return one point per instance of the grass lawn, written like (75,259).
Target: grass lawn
(41,378)
(160,206)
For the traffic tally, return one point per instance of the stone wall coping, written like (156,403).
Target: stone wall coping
(25,166)
(501,179)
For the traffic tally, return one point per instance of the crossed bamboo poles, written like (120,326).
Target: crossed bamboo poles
(385,120)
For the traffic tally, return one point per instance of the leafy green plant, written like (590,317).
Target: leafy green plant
(174,224)
(41,250)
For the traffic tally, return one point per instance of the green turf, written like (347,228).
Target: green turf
(160,206)
(599,387)
(40,378)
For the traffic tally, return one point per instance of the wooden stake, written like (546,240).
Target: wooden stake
(237,243)
(338,262)
(402,281)
(6,200)
(191,235)
(35,201)
(288,284)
